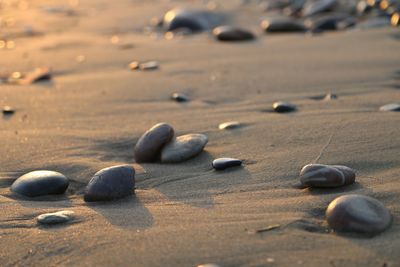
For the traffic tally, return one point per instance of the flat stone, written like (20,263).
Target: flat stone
(179,97)
(229,33)
(330,23)
(151,142)
(223,163)
(283,107)
(282,25)
(358,213)
(319,175)
(183,148)
(40,183)
(230,125)
(55,217)
(7,110)
(312,7)
(209,265)
(390,107)
(149,65)
(111,183)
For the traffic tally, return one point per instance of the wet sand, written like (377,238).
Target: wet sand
(92,113)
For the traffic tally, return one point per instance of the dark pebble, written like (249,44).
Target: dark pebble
(151,142)
(358,213)
(111,183)
(7,110)
(179,97)
(223,163)
(229,33)
(313,7)
(283,107)
(319,175)
(40,183)
(282,25)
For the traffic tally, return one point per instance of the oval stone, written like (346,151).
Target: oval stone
(55,217)
(283,107)
(193,20)
(111,183)
(319,175)
(313,7)
(282,25)
(40,183)
(229,33)
(150,143)
(229,125)
(330,23)
(358,213)
(223,163)
(390,107)
(179,97)
(183,148)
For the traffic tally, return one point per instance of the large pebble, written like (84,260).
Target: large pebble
(183,148)
(224,163)
(319,175)
(229,33)
(283,107)
(111,183)
(193,20)
(40,183)
(55,217)
(150,144)
(282,25)
(390,107)
(358,213)
(313,7)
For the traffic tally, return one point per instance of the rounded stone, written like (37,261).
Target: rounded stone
(314,7)
(151,142)
(7,110)
(282,25)
(229,33)
(358,213)
(40,183)
(111,183)
(330,23)
(229,125)
(319,175)
(55,217)
(224,163)
(209,265)
(179,97)
(183,148)
(390,107)
(283,107)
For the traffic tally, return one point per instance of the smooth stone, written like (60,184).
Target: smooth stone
(358,213)
(330,97)
(229,33)
(55,217)
(150,65)
(330,23)
(150,143)
(319,175)
(111,183)
(283,107)
(193,20)
(312,7)
(179,97)
(282,25)
(40,183)
(223,163)
(7,110)
(390,107)
(209,265)
(395,19)
(229,125)
(183,148)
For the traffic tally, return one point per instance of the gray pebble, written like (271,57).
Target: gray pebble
(313,7)
(282,25)
(55,217)
(319,175)
(224,163)
(179,97)
(229,33)
(283,107)
(390,107)
(183,148)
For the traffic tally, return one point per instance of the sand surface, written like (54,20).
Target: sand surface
(92,113)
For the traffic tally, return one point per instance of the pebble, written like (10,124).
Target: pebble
(209,265)
(282,25)
(55,217)
(149,65)
(7,110)
(358,213)
(319,175)
(179,97)
(40,183)
(111,183)
(183,148)
(223,163)
(151,142)
(229,33)
(229,125)
(330,23)
(283,107)
(330,96)
(390,107)
(312,7)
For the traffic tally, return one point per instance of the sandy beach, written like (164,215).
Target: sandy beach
(94,109)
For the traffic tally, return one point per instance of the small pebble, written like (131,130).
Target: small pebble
(151,142)
(111,183)
(150,65)
(7,110)
(330,97)
(40,183)
(229,33)
(229,125)
(283,107)
(390,107)
(223,163)
(209,265)
(55,217)
(319,175)
(358,213)
(282,25)
(179,97)
(183,148)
